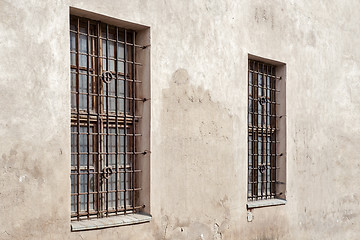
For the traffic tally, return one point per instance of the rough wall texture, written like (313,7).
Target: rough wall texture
(199,53)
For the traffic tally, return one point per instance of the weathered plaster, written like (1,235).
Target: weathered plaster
(199,52)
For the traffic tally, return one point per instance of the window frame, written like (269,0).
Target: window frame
(99,115)
(278,164)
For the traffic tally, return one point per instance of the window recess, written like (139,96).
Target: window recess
(266,131)
(104,133)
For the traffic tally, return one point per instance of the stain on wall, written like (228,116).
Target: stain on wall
(197,175)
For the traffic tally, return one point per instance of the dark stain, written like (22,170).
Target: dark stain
(263,15)
(198,139)
(13,152)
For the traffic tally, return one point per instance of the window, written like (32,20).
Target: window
(104,120)
(266,130)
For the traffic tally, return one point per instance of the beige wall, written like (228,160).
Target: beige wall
(199,52)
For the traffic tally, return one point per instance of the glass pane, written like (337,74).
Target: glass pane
(122,182)
(130,56)
(82,43)
(73,59)
(104,53)
(129,70)
(84,147)
(73,190)
(121,51)
(83,26)
(112,33)
(83,189)
(111,66)
(73,24)
(121,69)
(122,147)
(73,146)
(112,186)
(250,112)
(110,146)
(103,30)
(93,45)
(93,29)
(250,185)
(111,49)
(259,113)
(73,89)
(121,35)
(250,82)
(83,61)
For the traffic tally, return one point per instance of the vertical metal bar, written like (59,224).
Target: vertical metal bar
(257,156)
(261,88)
(251,124)
(116,123)
(249,167)
(264,131)
(107,120)
(78,118)
(252,129)
(98,202)
(273,73)
(133,123)
(272,114)
(88,119)
(260,114)
(255,146)
(250,142)
(266,72)
(125,122)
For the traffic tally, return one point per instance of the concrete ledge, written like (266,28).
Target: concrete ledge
(113,221)
(266,203)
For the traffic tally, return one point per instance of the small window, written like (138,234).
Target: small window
(265,132)
(104,132)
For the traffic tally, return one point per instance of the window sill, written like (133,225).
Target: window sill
(113,221)
(265,203)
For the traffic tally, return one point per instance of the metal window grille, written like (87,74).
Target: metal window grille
(261,131)
(103,119)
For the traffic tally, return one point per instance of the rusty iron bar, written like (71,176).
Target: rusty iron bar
(88,120)
(133,123)
(117,145)
(262,130)
(96,122)
(125,111)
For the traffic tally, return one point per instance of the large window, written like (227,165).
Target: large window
(103,120)
(265,148)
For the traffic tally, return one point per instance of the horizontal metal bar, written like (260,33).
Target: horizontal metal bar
(263,128)
(263,87)
(264,141)
(109,134)
(268,115)
(265,74)
(109,191)
(256,154)
(108,96)
(111,117)
(266,101)
(111,153)
(85,171)
(120,210)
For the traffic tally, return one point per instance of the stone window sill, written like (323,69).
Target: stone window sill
(265,203)
(113,221)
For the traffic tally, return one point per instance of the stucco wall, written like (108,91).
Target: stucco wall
(199,52)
